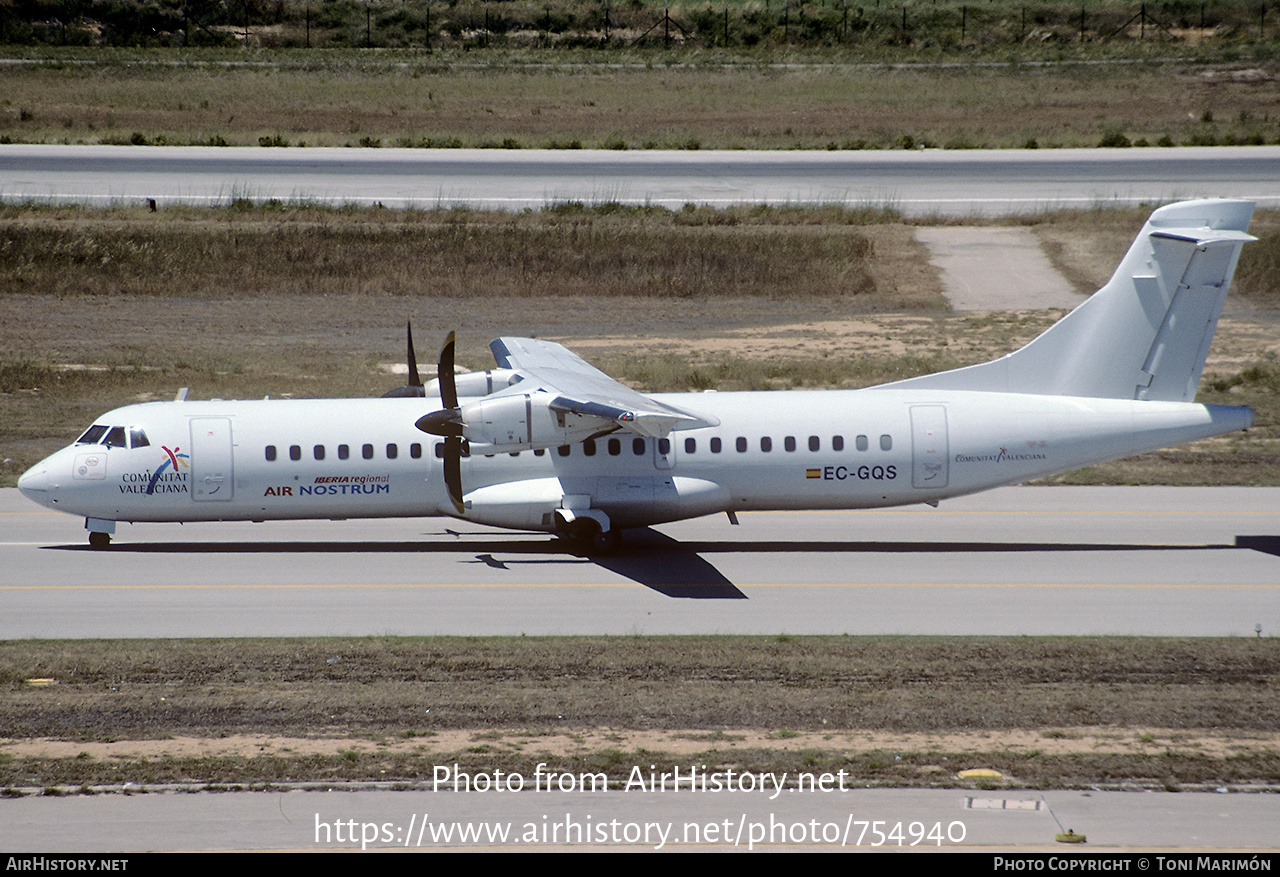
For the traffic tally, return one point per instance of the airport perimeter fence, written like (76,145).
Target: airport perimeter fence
(477,25)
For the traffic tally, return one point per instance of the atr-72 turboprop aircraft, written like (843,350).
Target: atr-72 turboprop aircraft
(547,442)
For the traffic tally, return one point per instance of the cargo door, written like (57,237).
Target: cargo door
(929,446)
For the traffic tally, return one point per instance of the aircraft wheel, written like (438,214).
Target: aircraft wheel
(99,541)
(587,538)
(606,543)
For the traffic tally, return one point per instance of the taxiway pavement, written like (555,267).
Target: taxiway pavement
(1016,561)
(952,182)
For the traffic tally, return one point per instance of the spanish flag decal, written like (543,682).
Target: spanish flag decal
(812,473)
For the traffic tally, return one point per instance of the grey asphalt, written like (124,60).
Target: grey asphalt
(1033,561)
(965,820)
(946,182)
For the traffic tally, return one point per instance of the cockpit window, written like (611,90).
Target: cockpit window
(92,435)
(115,438)
(138,437)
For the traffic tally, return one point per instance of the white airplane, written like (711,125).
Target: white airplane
(546,442)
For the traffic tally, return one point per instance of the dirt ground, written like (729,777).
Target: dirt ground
(676,743)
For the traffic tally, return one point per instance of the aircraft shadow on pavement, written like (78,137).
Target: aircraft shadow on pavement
(655,560)
(1265,544)
(647,557)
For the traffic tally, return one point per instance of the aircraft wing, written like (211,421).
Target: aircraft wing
(580,388)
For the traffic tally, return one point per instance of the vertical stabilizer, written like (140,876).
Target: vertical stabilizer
(1144,335)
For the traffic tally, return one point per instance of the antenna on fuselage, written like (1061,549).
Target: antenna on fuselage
(182,395)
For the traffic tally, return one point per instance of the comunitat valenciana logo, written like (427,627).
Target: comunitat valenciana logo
(174,463)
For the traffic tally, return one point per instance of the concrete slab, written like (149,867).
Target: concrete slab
(995,269)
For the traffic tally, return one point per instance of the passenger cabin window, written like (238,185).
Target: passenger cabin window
(861,442)
(615,447)
(318,451)
(837,443)
(664,446)
(392,452)
(271,453)
(715,445)
(886,443)
(589,447)
(344,451)
(766,444)
(116,438)
(367,452)
(637,447)
(814,443)
(742,445)
(295,452)
(415,450)
(690,445)
(789,443)
(563,450)
(138,438)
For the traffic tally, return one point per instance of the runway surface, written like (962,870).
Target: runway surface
(949,182)
(1060,560)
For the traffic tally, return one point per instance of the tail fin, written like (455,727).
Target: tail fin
(1144,335)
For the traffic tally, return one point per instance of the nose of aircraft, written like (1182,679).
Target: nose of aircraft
(34,483)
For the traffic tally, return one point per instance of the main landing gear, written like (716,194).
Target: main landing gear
(587,529)
(99,541)
(587,537)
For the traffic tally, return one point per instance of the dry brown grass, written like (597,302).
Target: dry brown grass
(566,251)
(883,708)
(742,106)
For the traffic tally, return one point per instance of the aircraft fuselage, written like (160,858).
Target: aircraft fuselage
(363,458)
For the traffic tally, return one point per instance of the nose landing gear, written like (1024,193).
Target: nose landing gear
(99,532)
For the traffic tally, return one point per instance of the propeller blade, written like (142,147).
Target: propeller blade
(414,379)
(453,471)
(447,422)
(414,387)
(448,381)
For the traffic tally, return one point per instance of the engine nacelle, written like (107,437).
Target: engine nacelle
(524,422)
(473,384)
